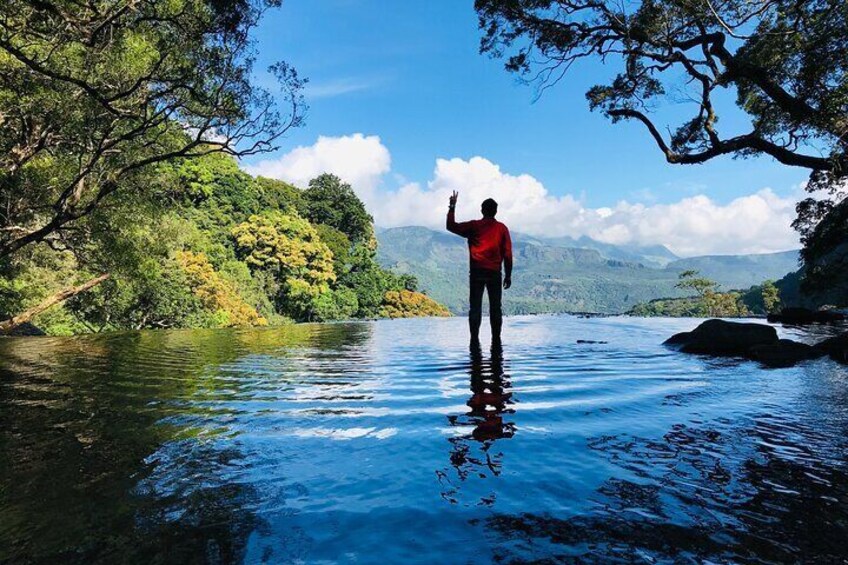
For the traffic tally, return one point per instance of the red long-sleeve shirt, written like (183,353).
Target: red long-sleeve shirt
(489,243)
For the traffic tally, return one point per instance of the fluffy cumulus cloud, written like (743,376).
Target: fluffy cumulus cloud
(358,159)
(756,223)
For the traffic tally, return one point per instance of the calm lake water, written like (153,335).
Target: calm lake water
(388,442)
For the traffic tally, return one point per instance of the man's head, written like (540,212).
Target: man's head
(489,208)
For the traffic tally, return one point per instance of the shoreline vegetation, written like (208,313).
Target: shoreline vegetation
(211,246)
(707,301)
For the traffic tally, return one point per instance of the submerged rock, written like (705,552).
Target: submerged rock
(803,317)
(719,337)
(784,353)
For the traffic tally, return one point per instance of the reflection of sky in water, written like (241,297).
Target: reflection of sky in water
(388,441)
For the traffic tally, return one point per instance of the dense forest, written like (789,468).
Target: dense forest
(207,245)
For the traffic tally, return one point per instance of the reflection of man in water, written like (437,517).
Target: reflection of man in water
(489,399)
(489,245)
(471,455)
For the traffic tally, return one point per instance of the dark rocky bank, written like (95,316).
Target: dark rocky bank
(757,342)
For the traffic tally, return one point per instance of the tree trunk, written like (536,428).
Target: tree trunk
(6,326)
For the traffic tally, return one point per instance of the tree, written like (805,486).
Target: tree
(771,297)
(92,94)
(339,244)
(409,304)
(704,288)
(786,60)
(331,202)
(216,294)
(289,247)
(690,280)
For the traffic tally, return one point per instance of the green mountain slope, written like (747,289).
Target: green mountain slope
(740,271)
(551,276)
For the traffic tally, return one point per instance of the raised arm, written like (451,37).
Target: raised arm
(459,228)
(506,253)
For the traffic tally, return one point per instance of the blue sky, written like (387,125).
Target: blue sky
(410,73)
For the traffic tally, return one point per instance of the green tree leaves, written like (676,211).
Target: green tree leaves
(289,247)
(331,202)
(95,93)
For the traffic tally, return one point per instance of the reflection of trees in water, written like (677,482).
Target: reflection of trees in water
(105,454)
(766,493)
(472,454)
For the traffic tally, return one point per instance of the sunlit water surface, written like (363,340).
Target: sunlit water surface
(389,442)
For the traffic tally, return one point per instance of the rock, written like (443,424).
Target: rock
(803,317)
(784,353)
(678,339)
(835,347)
(719,337)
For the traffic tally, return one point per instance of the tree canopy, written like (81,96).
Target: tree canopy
(331,202)
(92,94)
(204,244)
(786,61)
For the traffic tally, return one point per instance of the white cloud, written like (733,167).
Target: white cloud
(756,223)
(360,160)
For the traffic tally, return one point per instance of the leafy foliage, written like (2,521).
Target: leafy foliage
(707,302)
(331,202)
(95,94)
(203,245)
(689,280)
(786,60)
(288,247)
(408,304)
(771,297)
(215,293)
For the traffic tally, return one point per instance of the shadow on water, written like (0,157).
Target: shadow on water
(110,451)
(473,453)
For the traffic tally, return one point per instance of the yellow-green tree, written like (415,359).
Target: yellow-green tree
(725,304)
(216,294)
(409,304)
(289,247)
(771,297)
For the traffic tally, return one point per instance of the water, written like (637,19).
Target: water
(387,442)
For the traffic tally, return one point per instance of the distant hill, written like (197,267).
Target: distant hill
(740,271)
(648,255)
(560,275)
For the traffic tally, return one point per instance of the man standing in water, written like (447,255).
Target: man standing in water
(489,245)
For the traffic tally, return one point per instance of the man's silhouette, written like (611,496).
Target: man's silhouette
(489,245)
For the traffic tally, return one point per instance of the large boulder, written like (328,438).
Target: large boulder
(784,353)
(720,337)
(835,347)
(803,317)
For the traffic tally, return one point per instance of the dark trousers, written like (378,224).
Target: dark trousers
(490,281)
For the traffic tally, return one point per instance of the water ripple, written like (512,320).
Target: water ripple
(390,441)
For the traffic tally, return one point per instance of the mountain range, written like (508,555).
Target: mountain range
(566,274)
